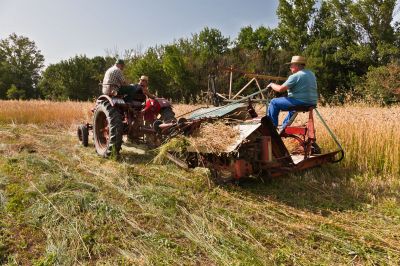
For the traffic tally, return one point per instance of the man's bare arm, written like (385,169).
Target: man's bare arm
(277,87)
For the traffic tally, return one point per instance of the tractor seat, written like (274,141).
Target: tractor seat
(302,108)
(136,104)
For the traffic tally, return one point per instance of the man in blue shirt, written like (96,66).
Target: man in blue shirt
(301,87)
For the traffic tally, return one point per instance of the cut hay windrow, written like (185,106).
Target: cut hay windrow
(210,137)
(214,137)
(178,144)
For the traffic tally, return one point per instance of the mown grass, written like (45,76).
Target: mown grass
(62,204)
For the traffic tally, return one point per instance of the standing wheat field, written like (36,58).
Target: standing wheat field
(62,204)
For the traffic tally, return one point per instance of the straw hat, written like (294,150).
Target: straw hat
(297,59)
(146,78)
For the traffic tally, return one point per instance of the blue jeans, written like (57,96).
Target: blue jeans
(282,104)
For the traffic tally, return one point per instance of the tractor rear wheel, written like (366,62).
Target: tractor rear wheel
(83,135)
(107,129)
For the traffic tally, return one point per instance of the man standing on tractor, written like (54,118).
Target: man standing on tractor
(301,87)
(114,79)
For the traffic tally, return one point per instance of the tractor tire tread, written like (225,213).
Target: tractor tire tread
(83,135)
(115,129)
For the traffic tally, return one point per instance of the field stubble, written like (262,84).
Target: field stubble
(62,204)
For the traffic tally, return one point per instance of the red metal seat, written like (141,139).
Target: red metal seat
(305,135)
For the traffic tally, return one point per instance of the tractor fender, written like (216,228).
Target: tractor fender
(163,102)
(103,98)
(112,100)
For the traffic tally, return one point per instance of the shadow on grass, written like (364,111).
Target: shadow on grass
(323,189)
(320,190)
(136,154)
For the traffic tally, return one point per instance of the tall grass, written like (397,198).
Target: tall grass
(369,135)
(44,112)
(57,113)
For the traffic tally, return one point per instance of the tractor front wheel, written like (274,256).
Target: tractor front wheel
(107,129)
(83,135)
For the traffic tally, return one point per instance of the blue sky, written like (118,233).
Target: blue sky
(64,28)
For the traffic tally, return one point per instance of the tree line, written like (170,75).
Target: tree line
(353,46)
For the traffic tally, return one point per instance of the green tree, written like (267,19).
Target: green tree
(341,50)
(52,85)
(246,39)
(332,39)
(20,64)
(381,84)
(396,28)
(256,51)
(295,17)
(181,84)
(211,45)
(100,65)
(14,93)
(373,20)
(150,65)
(267,43)
(245,54)
(77,78)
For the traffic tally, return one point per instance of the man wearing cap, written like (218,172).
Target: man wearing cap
(114,78)
(301,87)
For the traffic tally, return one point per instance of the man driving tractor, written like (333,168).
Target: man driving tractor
(114,79)
(114,83)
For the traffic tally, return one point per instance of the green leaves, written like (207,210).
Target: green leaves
(76,78)
(149,64)
(20,64)
(14,93)
(211,43)
(381,84)
(295,18)
(340,38)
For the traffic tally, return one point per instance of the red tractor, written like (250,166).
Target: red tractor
(113,118)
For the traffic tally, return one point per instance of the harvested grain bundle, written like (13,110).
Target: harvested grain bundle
(209,138)
(214,137)
(178,144)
